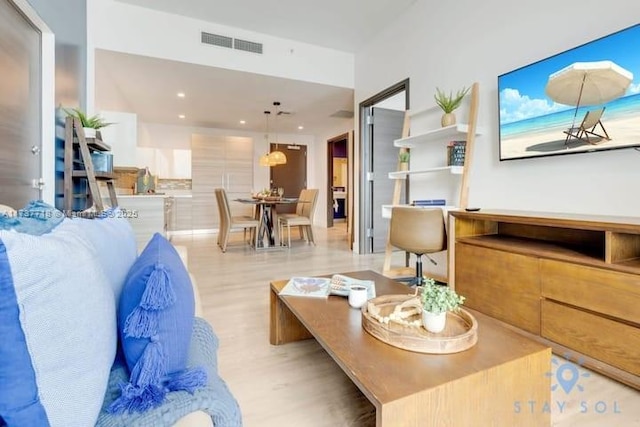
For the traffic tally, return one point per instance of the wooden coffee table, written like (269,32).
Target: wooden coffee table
(491,384)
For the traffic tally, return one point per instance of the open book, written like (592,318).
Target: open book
(317,287)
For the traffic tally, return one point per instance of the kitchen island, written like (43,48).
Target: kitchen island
(146,213)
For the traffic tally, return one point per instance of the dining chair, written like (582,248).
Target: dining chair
(303,218)
(229,222)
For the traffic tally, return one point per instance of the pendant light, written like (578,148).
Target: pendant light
(277,157)
(265,159)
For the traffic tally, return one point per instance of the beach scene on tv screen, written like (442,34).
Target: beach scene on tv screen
(584,99)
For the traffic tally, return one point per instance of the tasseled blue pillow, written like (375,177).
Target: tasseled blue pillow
(155,319)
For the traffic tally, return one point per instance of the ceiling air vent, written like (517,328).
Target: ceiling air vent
(217,40)
(343,114)
(247,46)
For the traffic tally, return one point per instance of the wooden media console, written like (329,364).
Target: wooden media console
(571,281)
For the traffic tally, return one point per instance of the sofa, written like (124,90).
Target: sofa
(65,354)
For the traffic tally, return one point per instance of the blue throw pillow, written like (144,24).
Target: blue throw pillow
(57,328)
(155,319)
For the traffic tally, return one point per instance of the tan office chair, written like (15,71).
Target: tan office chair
(228,222)
(420,231)
(303,217)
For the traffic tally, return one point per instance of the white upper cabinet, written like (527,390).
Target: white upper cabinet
(122,136)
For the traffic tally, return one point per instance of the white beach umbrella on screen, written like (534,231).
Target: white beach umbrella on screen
(588,83)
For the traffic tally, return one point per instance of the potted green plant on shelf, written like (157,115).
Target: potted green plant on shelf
(403,157)
(449,102)
(436,301)
(90,123)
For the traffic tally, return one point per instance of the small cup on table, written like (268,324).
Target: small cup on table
(357,296)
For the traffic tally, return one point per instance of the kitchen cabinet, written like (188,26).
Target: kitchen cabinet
(219,162)
(122,136)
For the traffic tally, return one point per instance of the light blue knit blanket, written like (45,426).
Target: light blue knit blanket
(215,399)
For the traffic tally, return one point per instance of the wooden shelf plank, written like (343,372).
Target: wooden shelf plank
(99,175)
(458,130)
(549,250)
(95,144)
(455,170)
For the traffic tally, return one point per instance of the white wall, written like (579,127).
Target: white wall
(436,44)
(131,29)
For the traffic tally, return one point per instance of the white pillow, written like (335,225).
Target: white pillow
(58,313)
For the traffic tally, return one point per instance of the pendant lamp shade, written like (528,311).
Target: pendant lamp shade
(264,160)
(277,157)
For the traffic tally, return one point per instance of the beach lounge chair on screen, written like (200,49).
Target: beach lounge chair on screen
(588,127)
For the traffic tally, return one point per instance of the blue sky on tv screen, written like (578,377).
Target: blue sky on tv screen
(522,93)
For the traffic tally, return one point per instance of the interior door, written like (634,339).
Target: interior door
(386,126)
(292,176)
(20,105)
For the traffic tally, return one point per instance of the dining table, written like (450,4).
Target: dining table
(265,207)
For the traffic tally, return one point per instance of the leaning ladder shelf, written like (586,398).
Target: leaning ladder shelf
(407,142)
(75,137)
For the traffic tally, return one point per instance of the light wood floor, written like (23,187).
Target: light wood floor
(298,384)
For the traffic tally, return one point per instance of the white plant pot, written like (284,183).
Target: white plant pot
(89,132)
(434,322)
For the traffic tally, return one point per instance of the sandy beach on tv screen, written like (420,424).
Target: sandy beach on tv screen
(623,132)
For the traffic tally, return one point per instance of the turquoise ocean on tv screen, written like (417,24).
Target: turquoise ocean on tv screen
(619,108)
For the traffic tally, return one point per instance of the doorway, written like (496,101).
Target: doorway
(292,176)
(337,175)
(339,207)
(381,121)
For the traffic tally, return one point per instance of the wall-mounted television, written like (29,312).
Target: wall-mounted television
(582,100)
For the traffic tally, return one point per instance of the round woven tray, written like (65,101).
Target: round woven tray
(460,333)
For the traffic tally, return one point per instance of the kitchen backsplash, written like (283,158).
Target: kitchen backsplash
(173,184)
(126,179)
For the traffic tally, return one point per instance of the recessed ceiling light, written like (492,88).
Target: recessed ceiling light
(181,95)
(300,127)
(181,116)
(242,122)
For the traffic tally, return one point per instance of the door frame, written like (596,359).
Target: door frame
(46,182)
(365,160)
(330,146)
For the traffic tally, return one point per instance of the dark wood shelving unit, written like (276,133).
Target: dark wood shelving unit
(75,141)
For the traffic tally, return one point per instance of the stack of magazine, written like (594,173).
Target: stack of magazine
(322,287)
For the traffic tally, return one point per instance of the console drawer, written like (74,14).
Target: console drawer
(608,292)
(500,284)
(612,342)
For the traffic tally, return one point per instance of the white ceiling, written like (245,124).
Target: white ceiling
(339,24)
(214,97)
(220,98)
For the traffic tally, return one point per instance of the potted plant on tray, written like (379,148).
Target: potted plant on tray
(448,103)
(90,123)
(436,301)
